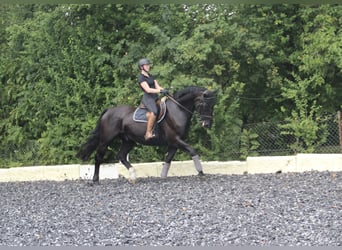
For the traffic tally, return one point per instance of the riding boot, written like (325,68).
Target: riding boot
(150,123)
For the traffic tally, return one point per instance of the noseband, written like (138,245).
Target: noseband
(207,116)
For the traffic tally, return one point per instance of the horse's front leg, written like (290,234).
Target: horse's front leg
(192,152)
(166,166)
(198,164)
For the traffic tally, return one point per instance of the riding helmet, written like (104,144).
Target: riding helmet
(142,62)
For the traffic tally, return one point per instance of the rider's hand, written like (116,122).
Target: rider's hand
(164,91)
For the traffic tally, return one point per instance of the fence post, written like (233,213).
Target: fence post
(339,128)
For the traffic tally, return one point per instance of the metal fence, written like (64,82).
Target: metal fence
(272,139)
(259,139)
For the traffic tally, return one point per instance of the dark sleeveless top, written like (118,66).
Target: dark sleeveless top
(150,82)
(149,99)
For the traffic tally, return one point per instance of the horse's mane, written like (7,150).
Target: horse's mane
(187,90)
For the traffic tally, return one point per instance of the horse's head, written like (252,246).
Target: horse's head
(204,105)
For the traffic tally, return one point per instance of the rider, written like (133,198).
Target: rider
(151,89)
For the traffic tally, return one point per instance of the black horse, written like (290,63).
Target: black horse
(118,122)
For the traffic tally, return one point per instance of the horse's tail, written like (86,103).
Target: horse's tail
(92,142)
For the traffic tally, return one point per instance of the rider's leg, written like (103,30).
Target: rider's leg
(151,118)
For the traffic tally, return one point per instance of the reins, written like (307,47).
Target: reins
(180,105)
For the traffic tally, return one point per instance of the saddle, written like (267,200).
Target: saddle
(139,114)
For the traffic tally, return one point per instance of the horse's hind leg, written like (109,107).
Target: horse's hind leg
(125,148)
(99,157)
(101,150)
(166,166)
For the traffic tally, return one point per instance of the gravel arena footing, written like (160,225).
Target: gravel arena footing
(292,209)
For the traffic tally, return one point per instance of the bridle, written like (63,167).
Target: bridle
(182,106)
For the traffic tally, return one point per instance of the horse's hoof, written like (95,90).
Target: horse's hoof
(132,181)
(200,173)
(95,182)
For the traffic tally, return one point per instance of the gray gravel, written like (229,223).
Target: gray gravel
(294,209)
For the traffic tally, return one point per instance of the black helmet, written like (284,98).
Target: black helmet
(142,62)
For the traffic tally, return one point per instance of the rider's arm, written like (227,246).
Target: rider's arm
(147,88)
(157,85)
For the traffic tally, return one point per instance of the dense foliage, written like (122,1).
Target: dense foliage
(61,65)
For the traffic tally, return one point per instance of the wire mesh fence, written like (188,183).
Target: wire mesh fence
(273,138)
(258,139)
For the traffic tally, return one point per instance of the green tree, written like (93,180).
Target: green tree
(62,65)
(314,85)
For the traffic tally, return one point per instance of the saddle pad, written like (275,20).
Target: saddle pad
(139,114)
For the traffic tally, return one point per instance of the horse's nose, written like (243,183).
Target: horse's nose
(206,124)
